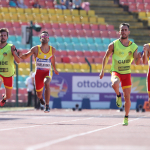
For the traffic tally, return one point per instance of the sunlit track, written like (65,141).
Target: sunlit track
(73,130)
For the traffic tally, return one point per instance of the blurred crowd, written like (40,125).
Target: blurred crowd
(58,4)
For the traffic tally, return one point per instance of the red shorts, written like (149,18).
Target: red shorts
(148,82)
(39,78)
(125,79)
(8,81)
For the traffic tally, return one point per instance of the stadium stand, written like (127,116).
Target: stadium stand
(139,9)
(75,34)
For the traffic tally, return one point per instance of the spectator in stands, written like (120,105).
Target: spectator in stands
(77,4)
(12,3)
(21,4)
(60,4)
(30,87)
(69,4)
(35,4)
(86,6)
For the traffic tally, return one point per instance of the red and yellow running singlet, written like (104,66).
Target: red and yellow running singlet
(43,67)
(43,60)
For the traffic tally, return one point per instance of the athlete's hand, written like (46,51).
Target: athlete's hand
(13,49)
(149,101)
(56,72)
(139,55)
(145,47)
(19,53)
(101,74)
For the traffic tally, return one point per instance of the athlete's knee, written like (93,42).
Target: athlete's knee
(127,98)
(115,84)
(127,103)
(39,95)
(47,83)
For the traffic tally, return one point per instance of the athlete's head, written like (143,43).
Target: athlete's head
(124,30)
(44,37)
(4,35)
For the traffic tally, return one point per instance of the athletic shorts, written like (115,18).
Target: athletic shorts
(125,79)
(8,81)
(39,78)
(148,82)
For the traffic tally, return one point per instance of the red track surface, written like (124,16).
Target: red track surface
(78,130)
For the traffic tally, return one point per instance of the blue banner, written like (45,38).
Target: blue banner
(72,88)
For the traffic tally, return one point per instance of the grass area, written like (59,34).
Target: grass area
(15,108)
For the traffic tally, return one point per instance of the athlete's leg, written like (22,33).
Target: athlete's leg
(8,83)
(126,87)
(8,93)
(39,84)
(115,84)
(6,96)
(148,86)
(1,81)
(126,93)
(47,81)
(149,98)
(39,94)
(115,79)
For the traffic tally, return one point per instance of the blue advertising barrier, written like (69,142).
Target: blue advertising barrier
(72,88)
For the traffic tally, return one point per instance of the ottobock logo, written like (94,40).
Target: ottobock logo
(88,84)
(58,86)
(91,84)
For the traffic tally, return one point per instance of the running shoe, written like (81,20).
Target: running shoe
(125,122)
(118,101)
(47,109)
(2,102)
(42,101)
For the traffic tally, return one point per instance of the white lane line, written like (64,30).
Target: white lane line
(43,124)
(46,144)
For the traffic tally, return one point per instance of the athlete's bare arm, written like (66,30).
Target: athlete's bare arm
(15,54)
(32,51)
(53,61)
(146,54)
(137,57)
(105,59)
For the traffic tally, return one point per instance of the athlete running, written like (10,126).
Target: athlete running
(146,58)
(44,56)
(123,52)
(8,53)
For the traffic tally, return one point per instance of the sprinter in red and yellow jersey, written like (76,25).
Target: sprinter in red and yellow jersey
(146,58)
(8,53)
(44,57)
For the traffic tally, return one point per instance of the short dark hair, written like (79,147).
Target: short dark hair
(4,30)
(124,24)
(44,32)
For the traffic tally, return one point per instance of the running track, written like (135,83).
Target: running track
(74,130)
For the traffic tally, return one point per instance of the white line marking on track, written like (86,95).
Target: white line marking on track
(43,124)
(46,144)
